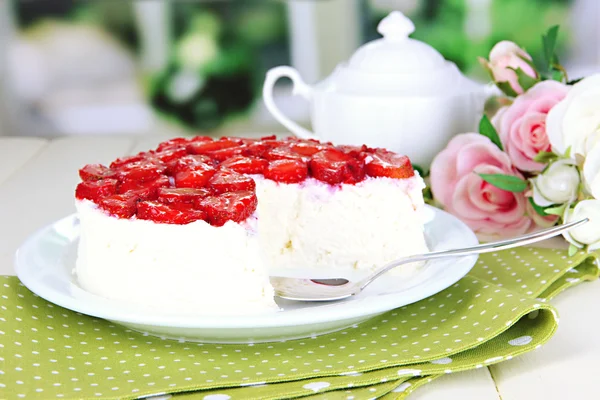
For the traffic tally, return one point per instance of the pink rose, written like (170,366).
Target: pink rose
(491,212)
(522,125)
(505,57)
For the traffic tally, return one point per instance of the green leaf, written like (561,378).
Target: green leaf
(525,81)
(557,75)
(568,152)
(509,183)
(558,210)
(538,209)
(545,157)
(549,42)
(573,250)
(487,129)
(506,88)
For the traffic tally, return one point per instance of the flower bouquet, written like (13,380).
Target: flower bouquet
(536,163)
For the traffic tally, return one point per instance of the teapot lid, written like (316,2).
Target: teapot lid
(396,52)
(398,65)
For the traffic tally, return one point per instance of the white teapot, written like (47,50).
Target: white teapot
(395,92)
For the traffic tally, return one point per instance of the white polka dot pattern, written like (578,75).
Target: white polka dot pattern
(55,353)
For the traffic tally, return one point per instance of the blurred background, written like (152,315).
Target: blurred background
(109,67)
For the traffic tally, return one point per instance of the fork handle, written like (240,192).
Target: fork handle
(479,249)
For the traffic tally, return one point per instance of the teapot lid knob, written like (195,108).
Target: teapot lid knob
(396,26)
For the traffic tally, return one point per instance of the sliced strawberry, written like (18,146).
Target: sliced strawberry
(144,170)
(259,148)
(231,206)
(307,148)
(96,190)
(225,154)
(171,154)
(120,205)
(176,143)
(147,190)
(230,181)
(169,213)
(119,162)
(384,163)
(246,165)
(206,147)
(196,176)
(284,152)
(198,139)
(94,172)
(358,152)
(181,195)
(270,137)
(287,171)
(188,162)
(334,167)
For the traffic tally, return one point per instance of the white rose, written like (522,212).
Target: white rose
(588,233)
(591,172)
(558,184)
(575,121)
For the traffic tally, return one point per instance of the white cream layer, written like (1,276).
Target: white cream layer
(175,268)
(224,270)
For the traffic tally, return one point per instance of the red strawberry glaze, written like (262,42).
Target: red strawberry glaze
(94,172)
(334,167)
(96,190)
(230,181)
(144,190)
(196,176)
(385,163)
(189,179)
(231,206)
(246,165)
(287,171)
(120,205)
(179,214)
(181,195)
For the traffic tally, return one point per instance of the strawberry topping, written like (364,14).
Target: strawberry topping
(181,195)
(388,164)
(94,172)
(187,162)
(120,205)
(225,154)
(335,167)
(246,165)
(147,190)
(119,162)
(143,170)
(176,143)
(195,176)
(205,147)
(186,179)
(169,213)
(284,153)
(172,154)
(234,206)
(287,171)
(96,190)
(230,181)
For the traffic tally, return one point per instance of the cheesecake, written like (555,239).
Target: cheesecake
(198,225)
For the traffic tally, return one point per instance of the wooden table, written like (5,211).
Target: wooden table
(37,181)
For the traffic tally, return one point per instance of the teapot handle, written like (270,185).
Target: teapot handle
(299,88)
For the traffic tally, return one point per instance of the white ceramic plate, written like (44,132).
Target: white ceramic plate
(45,262)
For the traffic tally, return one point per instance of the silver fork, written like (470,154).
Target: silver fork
(301,289)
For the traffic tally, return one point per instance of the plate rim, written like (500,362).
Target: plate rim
(282,318)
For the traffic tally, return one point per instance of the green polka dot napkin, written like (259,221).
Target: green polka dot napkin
(497,312)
